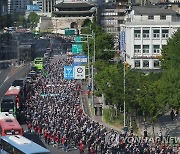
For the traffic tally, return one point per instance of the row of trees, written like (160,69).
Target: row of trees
(19,20)
(147,93)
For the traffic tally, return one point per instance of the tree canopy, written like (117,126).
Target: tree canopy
(103,41)
(34,19)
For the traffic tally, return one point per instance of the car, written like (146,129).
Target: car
(46,55)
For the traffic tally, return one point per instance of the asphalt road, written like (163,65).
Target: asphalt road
(7,76)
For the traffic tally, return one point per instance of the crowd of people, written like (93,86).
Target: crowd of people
(54,112)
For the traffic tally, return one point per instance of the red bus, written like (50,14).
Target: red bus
(16,91)
(11,102)
(9,125)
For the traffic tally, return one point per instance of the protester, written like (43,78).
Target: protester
(54,111)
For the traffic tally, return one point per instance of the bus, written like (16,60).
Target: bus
(12,100)
(9,125)
(20,145)
(39,63)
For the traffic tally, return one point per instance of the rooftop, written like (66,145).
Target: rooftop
(74,5)
(152,10)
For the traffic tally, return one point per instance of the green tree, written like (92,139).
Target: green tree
(170,82)
(34,19)
(110,82)
(104,41)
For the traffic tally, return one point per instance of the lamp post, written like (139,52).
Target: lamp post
(124,90)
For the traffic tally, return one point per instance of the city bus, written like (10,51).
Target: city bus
(39,63)
(9,125)
(12,100)
(20,145)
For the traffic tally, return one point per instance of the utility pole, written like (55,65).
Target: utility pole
(124,91)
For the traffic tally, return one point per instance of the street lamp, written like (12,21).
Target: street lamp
(92,36)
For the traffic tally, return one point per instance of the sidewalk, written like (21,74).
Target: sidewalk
(86,104)
(164,123)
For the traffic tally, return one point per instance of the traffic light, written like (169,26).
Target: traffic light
(127,66)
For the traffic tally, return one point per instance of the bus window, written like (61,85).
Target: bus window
(7,106)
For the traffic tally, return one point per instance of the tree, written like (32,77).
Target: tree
(170,81)
(110,82)
(104,41)
(34,19)
(170,52)
(21,21)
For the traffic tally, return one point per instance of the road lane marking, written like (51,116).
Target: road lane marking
(4,81)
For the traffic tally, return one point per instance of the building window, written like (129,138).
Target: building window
(150,17)
(156,64)
(137,48)
(145,33)
(156,48)
(145,48)
(165,33)
(137,33)
(163,17)
(137,63)
(146,63)
(156,33)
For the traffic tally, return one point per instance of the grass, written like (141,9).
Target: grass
(116,121)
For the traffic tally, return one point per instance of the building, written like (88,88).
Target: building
(170,5)
(147,29)
(48,6)
(17,6)
(111,15)
(3,7)
(68,15)
(38,2)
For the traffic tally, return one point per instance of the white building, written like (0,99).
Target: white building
(146,31)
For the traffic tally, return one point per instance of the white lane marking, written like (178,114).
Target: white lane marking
(4,81)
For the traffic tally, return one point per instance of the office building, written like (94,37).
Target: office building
(147,29)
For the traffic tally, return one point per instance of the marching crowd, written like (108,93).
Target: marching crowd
(54,112)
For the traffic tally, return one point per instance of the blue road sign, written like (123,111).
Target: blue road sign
(68,72)
(123,41)
(80,60)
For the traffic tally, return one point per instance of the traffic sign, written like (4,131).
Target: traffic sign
(80,60)
(69,31)
(79,72)
(68,72)
(123,41)
(76,48)
(78,39)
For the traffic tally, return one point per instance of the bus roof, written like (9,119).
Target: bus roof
(25,145)
(8,122)
(39,58)
(13,90)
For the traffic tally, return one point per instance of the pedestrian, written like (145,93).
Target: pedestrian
(160,135)
(172,115)
(92,151)
(145,133)
(176,115)
(29,126)
(81,147)
(48,137)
